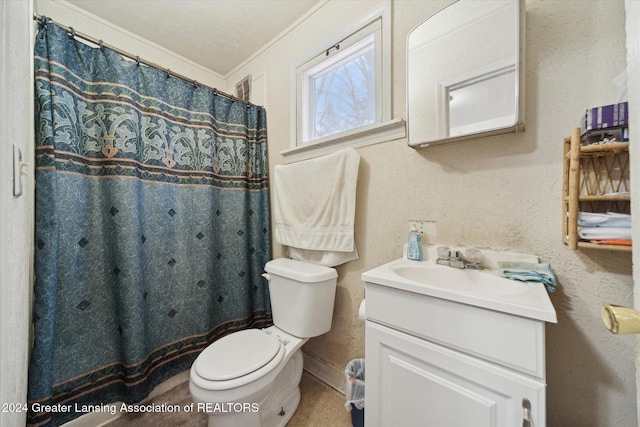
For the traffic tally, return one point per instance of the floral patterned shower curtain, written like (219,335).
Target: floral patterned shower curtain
(152,225)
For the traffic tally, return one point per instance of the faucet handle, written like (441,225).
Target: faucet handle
(473,255)
(443,252)
(443,255)
(474,258)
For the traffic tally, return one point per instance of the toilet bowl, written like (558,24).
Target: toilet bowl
(235,380)
(251,377)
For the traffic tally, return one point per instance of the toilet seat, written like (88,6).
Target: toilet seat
(240,357)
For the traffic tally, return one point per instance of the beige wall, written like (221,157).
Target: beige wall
(499,192)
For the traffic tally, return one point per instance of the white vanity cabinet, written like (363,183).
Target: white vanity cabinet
(437,362)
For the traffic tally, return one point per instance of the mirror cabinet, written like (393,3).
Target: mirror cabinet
(465,72)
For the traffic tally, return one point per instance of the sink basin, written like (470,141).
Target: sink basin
(473,281)
(480,288)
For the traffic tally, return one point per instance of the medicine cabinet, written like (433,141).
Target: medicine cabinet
(465,72)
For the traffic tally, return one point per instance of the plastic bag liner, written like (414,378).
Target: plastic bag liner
(354,391)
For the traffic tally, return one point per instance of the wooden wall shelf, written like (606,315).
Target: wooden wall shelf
(595,179)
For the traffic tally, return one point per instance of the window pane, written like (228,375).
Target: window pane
(343,95)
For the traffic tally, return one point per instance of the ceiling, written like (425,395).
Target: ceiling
(217,34)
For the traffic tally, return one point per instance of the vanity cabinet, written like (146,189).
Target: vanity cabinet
(596,179)
(437,362)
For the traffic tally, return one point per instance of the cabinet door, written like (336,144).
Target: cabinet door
(413,382)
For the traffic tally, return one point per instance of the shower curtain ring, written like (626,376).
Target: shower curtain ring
(168,72)
(43,24)
(101,43)
(73,32)
(195,84)
(138,60)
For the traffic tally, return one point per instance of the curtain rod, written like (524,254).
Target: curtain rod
(44,20)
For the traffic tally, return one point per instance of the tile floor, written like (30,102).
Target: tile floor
(320,406)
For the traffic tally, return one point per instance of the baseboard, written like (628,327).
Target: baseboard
(330,375)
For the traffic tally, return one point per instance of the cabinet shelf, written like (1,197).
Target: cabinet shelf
(605,197)
(596,179)
(612,198)
(604,149)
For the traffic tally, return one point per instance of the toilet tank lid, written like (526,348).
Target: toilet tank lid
(299,270)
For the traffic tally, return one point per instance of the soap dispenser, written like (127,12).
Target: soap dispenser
(414,249)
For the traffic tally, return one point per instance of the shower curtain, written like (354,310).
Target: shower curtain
(152,226)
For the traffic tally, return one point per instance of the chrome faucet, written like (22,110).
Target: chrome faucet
(456,259)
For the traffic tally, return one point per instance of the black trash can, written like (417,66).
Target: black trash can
(354,391)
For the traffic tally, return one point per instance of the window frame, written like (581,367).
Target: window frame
(327,61)
(383,129)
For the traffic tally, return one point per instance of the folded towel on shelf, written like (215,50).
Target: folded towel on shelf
(529,272)
(314,207)
(607,219)
(604,233)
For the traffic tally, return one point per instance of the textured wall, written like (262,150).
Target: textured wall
(499,192)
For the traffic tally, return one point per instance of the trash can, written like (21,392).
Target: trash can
(354,391)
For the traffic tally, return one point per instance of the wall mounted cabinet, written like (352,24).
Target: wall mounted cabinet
(472,91)
(596,179)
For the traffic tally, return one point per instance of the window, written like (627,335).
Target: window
(340,89)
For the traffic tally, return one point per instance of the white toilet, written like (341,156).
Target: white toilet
(251,377)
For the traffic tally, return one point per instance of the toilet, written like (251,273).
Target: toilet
(252,377)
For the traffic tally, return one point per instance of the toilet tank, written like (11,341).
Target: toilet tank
(302,296)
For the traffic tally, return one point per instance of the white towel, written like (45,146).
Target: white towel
(608,219)
(326,258)
(314,205)
(604,233)
(604,226)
